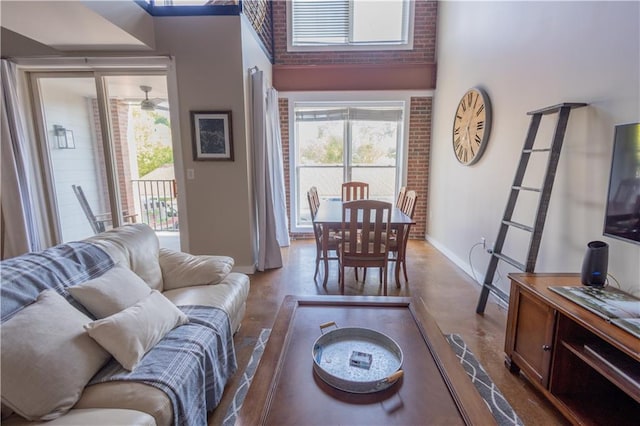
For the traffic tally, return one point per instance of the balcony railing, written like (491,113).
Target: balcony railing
(157,203)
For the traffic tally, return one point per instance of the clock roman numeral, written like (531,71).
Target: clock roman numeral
(480,125)
(478,140)
(480,110)
(463,104)
(456,131)
(470,97)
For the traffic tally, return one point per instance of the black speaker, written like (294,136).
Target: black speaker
(594,265)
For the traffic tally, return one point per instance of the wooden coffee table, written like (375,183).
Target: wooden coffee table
(434,390)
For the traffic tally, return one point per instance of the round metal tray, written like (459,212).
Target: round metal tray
(355,359)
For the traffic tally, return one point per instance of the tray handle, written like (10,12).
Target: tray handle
(327,324)
(395,376)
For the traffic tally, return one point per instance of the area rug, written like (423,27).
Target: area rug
(247,377)
(498,406)
(494,399)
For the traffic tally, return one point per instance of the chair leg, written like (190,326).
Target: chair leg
(404,269)
(384,279)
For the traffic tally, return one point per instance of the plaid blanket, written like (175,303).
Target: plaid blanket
(59,267)
(191,365)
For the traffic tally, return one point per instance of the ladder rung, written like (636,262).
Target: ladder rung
(510,261)
(529,151)
(501,294)
(518,225)
(526,188)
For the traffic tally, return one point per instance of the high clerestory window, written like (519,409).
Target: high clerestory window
(349,24)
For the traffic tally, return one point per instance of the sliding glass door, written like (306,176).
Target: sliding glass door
(107,152)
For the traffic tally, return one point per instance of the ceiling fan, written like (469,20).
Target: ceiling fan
(152,104)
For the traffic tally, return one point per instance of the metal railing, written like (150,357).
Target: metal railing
(157,204)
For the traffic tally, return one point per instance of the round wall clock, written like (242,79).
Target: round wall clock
(471,126)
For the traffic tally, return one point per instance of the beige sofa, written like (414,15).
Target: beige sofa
(185,280)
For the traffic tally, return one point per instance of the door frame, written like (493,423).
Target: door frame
(31,69)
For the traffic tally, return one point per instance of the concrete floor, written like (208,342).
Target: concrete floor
(449,294)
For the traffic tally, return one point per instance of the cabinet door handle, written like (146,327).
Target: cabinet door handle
(546,348)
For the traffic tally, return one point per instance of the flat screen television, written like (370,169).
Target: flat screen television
(622,217)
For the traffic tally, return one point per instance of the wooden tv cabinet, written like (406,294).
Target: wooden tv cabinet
(587,367)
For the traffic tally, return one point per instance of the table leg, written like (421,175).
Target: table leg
(400,242)
(325,253)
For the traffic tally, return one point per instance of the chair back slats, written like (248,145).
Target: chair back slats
(373,218)
(314,201)
(409,203)
(355,191)
(370,246)
(400,200)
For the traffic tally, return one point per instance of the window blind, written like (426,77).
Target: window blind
(320,21)
(362,114)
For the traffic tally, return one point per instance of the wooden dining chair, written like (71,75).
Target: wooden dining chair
(355,191)
(397,255)
(314,204)
(370,247)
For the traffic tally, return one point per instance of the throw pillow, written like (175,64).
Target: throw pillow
(47,358)
(130,334)
(112,292)
(186,270)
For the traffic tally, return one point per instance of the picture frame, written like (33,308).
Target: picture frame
(212,136)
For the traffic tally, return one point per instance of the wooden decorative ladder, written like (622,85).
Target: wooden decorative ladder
(543,201)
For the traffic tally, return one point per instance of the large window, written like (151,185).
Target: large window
(339,142)
(349,24)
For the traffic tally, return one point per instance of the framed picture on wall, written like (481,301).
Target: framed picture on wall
(212,138)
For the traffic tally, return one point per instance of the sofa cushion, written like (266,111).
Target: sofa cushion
(93,417)
(112,292)
(185,270)
(129,395)
(230,295)
(130,334)
(47,358)
(137,245)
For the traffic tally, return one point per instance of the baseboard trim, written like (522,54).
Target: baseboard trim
(464,266)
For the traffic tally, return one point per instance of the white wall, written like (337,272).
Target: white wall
(73,166)
(210,77)
(529,55)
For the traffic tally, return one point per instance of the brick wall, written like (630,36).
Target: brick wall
(424,42)
(119,122)
(418,160)
(258,12)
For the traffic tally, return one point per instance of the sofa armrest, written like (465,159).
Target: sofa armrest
(186,270)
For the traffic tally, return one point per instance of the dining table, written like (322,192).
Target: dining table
(329,217)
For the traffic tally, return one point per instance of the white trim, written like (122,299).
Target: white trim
(94,63)
(361,95)
(410,20)
(466,268)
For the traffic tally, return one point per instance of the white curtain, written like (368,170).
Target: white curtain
(268,175)
(19,232)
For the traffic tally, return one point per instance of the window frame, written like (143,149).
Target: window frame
(410,16)
(350,98)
